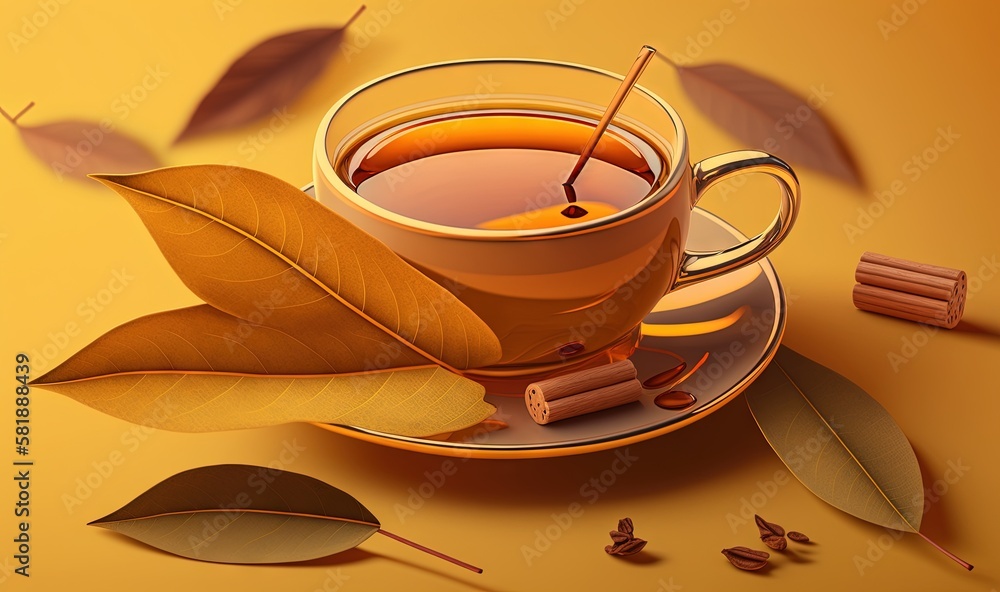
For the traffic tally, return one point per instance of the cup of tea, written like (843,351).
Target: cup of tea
(458,167)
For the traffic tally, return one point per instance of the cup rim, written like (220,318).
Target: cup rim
(325,164)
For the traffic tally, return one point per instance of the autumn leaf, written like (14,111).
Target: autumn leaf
(77,148)
(249,514)
(864,464)
(199,369)
(766,116)
(268,77)
(259,249)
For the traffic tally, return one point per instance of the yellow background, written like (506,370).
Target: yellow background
(61,241)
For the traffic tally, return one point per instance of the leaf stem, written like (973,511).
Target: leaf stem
(951,555)
(667,60)
(354,17)
(431,551)
(14,119)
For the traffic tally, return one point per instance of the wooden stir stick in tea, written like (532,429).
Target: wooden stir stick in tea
(645,54)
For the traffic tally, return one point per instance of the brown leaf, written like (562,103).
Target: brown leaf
(798,537)
(768,528)
(746,558)
(79,148)
(259,249)
(199,369)
(625,525)
(629,547)
(776,542)
(764,115)
(268,77)
(244,514)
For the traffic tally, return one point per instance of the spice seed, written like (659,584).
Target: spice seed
(798,537)
(745,558)
(778,543)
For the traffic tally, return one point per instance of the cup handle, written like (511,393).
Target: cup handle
(702,265)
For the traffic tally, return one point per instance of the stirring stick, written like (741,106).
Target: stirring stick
(645,54)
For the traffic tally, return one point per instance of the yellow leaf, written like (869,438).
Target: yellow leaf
(199,369)
(259,249)
(838,441)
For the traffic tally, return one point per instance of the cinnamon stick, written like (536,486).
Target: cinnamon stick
(586,391)
(909,290)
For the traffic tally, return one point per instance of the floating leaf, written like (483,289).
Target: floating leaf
(764,115)
(268,77)
(199,369)
(863,463)
(259,249)
(78,148)
(249,514)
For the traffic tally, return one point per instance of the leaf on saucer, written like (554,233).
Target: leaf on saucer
(756,110)
(231,514)
(259,249)
(78,148)
(839,442)
(268,77)
(199,369)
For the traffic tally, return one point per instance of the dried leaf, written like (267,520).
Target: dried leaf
(774,541)
(862,462)
(248,514)
(767,116)
(746,558)
(268,77)
(223,514)
(768,528)
(199,369)
(625,525)
(259,249)
(79,148)
(798,537)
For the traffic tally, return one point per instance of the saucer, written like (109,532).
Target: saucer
(726,329)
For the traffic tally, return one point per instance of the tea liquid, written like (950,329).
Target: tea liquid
(502,169)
